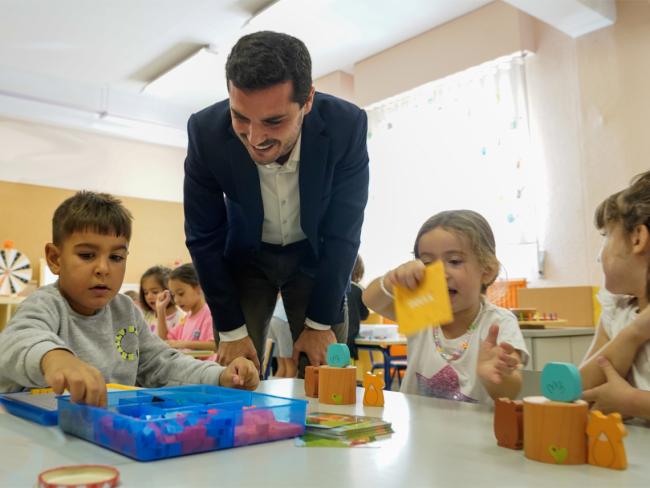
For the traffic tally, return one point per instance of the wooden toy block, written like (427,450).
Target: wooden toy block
(509,423)
(338,355)
(311,381)
(554,432)
(337,386)
(373,396)
(561,382)
(605,433)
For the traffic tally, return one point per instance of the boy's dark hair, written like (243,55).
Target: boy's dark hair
(90,211)
(185,273)
(161,275)
(358,270)
(263,59)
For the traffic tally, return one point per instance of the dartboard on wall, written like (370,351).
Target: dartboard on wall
(15,270)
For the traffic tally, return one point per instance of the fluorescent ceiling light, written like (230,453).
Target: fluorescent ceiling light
(202,69)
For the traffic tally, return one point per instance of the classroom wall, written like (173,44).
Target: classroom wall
(588,104)
(60,157)
(157,237)
(487,33)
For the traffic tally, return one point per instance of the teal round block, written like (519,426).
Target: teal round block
(561,382)
(338,355)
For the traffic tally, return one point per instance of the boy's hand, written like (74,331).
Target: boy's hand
(162,300)
(495,362)
(408,275)
(240,373)
(62,370)
(611,396)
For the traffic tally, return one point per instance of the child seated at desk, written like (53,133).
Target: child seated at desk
(158,306)
(616,371)
(476,357)
(195,330)
(79,333)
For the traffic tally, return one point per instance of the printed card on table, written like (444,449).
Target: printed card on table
(428,305)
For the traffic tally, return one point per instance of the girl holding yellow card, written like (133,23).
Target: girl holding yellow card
(475,357)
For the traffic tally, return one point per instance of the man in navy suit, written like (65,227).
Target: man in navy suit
(276,183)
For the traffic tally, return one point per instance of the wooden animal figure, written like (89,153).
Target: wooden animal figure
(605,442)
(338,355)
(311,381)
(561,382)
(509,423)
(373,396)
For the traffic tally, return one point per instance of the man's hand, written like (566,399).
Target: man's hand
(62,370)
(613,395)
(228,351)
(240,373)
(495,362)
(314,344)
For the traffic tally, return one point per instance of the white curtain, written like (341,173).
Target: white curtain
(459,142)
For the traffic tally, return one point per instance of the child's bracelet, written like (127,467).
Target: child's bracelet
(383,288)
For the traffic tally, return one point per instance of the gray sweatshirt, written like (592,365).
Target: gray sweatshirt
(116,340)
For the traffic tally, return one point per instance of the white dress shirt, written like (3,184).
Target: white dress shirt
(279,184)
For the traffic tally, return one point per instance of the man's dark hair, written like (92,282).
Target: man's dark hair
(263,59)
(90,211)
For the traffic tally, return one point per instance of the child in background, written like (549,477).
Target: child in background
(196,331)
(80,333)
(476,357)
(280,333)
(157,303)
(616,371)
(357,310)
(133,295)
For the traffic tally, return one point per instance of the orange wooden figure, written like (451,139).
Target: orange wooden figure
(337,386)
(373,396)
(311,381)
(509,423)
(606,434)
(555,432)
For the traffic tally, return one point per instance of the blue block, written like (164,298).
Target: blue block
(338,355)
(561,382)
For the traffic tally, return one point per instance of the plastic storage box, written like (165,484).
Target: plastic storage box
(158,423)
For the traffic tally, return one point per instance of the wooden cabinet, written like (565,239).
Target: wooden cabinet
(562,345)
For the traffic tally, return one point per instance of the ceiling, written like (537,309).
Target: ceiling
(85,63)
(90,64)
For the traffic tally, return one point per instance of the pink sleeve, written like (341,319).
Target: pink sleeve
(207,333)
(175,333)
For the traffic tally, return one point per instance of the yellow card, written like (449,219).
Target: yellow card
(428,305)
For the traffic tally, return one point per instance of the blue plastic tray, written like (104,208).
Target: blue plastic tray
(158,423)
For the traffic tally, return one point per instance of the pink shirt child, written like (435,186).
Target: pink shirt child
(196,327)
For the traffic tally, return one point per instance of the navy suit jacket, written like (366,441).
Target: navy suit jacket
(224,211)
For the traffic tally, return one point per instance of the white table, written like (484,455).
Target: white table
(436,443)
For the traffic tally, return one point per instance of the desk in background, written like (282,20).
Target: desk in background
(436,443)
(383,346)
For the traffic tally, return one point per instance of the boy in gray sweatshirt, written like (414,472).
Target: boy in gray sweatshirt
(79,333)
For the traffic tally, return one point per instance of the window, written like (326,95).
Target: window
(459,142)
